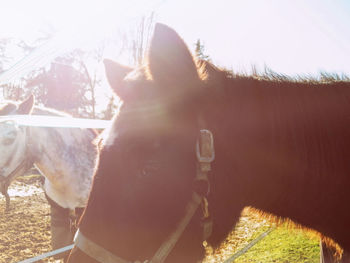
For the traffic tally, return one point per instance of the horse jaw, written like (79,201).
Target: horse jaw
(13,147)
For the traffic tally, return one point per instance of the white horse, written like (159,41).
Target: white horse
(65,156)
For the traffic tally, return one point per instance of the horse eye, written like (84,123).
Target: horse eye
(148,169)
(11,138)
(8,141)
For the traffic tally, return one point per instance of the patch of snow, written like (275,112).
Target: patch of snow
(21,190)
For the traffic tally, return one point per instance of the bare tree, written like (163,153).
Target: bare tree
(12,89)
(140,38)
(91,73)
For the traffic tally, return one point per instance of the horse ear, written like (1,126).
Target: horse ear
(170,61)
(8,109)
(26,106)
(115,75)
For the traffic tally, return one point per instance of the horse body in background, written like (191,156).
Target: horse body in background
(65,156)
(281,146)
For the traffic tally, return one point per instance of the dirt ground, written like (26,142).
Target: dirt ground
(25,229)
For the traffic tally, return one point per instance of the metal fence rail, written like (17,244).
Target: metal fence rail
(55,121)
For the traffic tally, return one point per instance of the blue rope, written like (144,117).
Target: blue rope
(48,254)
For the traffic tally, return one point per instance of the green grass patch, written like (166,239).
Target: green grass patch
(284,244)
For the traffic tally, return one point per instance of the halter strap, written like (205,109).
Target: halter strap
(102,255)
(94,250)
(169,244)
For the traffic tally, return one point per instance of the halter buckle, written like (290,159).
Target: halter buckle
(205,149)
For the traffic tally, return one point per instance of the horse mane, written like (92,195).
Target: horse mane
(40,110)
(10,106)
(210,73)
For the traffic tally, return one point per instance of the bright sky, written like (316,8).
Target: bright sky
(288,36)
(291,37)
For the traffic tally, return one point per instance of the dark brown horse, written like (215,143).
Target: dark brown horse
(282,146)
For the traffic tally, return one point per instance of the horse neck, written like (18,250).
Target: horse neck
(62,149)
(62,145)
(272,150)
(67,158)
(38,137)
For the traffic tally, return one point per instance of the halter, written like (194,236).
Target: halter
(205,155)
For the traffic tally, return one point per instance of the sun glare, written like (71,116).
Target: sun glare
(69,25)
(75,23)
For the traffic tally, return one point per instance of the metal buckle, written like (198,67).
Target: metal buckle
(205,147)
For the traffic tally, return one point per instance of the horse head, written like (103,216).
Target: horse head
(148,164)
(13,143)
